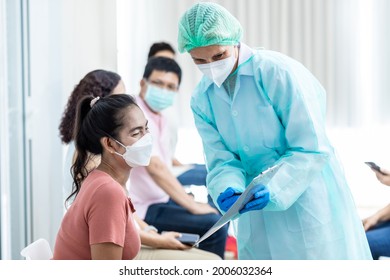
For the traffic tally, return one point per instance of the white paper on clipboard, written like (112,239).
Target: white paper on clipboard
(246,196)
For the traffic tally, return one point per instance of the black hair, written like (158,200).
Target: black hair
(164,64)
(104,118)
(160,46)
(95,83)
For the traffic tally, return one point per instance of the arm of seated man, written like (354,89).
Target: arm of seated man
(164,178)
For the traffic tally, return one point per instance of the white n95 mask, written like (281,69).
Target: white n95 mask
(219,70)
(139,153)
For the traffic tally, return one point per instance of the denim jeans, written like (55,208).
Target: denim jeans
(172,217)
(379,240)
(195,176)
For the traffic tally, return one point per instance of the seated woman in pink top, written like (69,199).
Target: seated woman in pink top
(100,223)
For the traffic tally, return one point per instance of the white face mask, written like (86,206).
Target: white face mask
(139,153)
(219,70)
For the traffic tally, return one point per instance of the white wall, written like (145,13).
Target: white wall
(53,45)
(67,40)
(88,36)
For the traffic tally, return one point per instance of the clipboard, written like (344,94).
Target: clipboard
(246,196)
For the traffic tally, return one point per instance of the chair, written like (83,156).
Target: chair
(38,250)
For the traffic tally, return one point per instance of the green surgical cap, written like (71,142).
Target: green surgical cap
(206,24)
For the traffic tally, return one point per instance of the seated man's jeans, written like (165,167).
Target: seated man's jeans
(194,176)
(379,240)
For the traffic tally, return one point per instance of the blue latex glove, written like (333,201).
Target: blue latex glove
(227,198)
(259,201)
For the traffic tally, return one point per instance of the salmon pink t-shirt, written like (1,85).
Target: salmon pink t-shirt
(100,213)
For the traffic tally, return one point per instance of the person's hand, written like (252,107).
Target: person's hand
(167,240)
(259,201)
(383,178)
(370,222)
(227,198)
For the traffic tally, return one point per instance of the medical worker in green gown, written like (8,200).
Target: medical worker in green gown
(257,108)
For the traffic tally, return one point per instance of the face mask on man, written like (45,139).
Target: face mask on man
(159,99)
(219,70)
(139,153)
